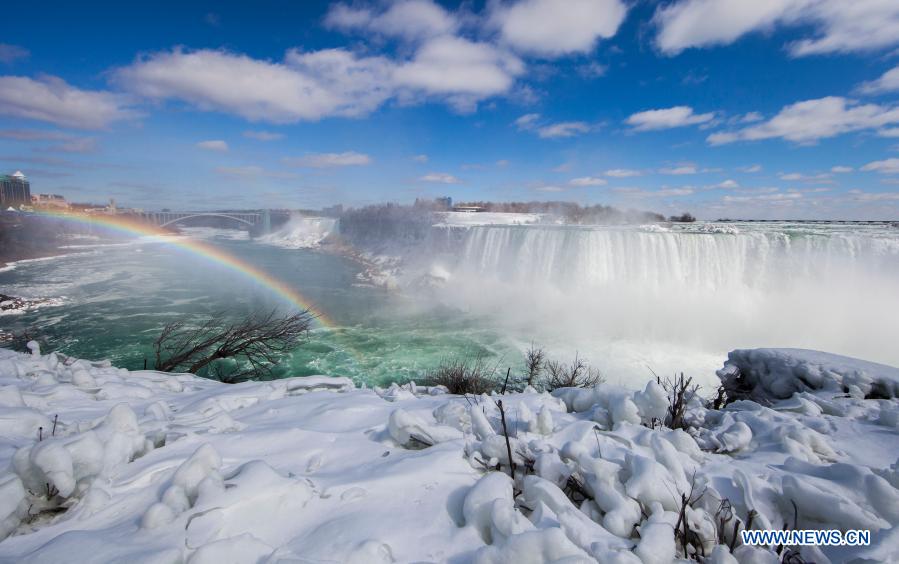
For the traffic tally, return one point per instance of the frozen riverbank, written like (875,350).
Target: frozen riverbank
(105,464)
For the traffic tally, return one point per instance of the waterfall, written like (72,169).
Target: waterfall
(711,287)
(301,232)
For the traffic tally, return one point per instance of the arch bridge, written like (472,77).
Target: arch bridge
(164,219)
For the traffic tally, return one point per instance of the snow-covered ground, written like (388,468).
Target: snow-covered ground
(101,464)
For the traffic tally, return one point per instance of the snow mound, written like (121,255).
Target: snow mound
(102,464)
(766,374)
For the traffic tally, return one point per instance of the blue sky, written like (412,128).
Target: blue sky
(721,107)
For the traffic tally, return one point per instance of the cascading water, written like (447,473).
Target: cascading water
(702,288)
(301,232)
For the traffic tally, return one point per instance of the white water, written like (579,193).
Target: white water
(301,232)
(694,291)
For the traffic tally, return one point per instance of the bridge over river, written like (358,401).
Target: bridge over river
(258,220)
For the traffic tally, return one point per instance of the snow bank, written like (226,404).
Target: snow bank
(103,464)
(765,374)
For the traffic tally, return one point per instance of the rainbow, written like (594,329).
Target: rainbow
(200,249)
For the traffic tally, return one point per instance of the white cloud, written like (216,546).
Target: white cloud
(527,121)
(888,82)
(841,169)
(12,53)
(662,193)
(562,129)
(798,176)
(588,181)
(53,100)
(889,132)
(551,28)
(839,25)
(440,178)
(679,170)
(329,160)
(532,122)
(213,145)
(592,70)
(420,158)
(318,84)
(308,86)
(750,168)
(252,171)
(874,196)
(622,173)
(550,188)
(463,71)
(409,19)
(728,184)
(263,135)
(887,166)
(667,118)
(63,142)
(781,196)
(808,121)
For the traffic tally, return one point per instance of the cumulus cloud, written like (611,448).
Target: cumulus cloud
(213,145)
(263,135)
(588,181)
(308,86)
(667,118)
(463,71)
(12,53)
(409,19)
(841,169)
(550,29)
(887,166)
(839,25)
(329,160)
(808,121)
(440,178)
(53,100)
(888,82)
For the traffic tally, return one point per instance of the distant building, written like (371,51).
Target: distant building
(14,191)
(445,202)
(54,201)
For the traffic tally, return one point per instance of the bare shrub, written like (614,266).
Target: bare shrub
(680,392)
(578,374)
(461,375)
(252,346)
(534,360)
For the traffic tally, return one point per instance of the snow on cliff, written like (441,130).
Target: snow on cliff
(101,464)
